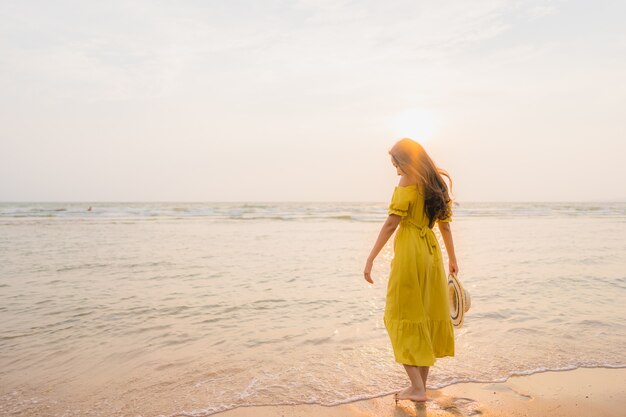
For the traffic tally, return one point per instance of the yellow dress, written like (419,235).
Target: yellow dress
(417,312)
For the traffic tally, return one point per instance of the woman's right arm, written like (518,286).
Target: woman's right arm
(446,234)
(386,231)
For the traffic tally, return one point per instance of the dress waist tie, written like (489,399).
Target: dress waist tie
(424,232)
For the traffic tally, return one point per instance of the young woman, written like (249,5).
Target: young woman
(417,312)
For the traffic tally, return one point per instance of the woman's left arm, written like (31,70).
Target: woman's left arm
(446,234)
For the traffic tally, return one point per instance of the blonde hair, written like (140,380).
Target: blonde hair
(413,160)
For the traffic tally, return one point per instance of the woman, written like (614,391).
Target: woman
(417,312)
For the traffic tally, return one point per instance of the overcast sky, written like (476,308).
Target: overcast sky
(301,100)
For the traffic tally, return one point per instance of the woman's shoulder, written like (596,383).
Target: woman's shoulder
(405,191)
(406,182)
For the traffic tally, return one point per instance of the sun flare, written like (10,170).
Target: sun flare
(417,124)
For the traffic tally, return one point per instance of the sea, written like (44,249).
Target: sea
(189,309)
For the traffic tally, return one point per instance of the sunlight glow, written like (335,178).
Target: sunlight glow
(417,124)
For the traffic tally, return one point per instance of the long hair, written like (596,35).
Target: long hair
(413,160)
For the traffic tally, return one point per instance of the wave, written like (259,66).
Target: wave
(208,411)
(357,212)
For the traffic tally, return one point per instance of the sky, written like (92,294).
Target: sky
(302,100)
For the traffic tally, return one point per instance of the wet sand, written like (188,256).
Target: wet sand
(598,392)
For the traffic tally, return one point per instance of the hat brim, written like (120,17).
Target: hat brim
(459,300)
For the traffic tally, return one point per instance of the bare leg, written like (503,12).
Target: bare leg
(416,391)
(415,377)
(424,374)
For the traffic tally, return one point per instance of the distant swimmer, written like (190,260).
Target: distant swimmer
(89,209)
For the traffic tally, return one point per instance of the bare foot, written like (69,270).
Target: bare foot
(411,393)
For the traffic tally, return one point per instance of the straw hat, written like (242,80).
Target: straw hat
(460,300)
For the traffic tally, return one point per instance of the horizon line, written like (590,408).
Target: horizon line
(298,201)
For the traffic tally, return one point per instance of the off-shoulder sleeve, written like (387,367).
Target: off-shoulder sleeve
(400,201)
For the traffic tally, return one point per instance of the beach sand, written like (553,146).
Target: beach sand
(593,392)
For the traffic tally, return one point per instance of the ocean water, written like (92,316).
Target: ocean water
(188,309)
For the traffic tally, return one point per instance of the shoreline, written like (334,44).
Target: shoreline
(598,392)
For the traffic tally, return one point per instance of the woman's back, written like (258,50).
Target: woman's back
(408,202)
